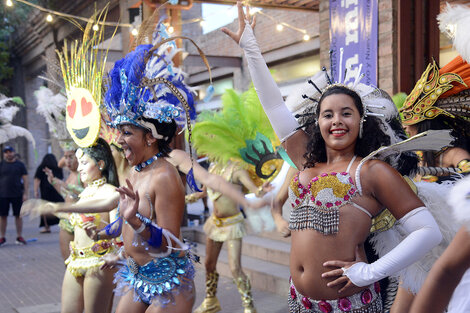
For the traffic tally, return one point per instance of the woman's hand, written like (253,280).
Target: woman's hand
(91,230)
(37,207)
(242,20)
(340,267)
(282,226)
(128,201)
(49,174)
(110,260)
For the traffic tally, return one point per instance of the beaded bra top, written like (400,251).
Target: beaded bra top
(316,206)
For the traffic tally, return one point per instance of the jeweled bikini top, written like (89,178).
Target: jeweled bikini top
(316,206)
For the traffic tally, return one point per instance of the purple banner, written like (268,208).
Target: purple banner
(353,27)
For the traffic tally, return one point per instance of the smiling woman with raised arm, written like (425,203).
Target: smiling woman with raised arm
(336,194)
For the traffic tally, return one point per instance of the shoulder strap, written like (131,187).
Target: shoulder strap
(350,164)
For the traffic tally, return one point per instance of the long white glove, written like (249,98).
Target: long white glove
(284,124)
(423,235)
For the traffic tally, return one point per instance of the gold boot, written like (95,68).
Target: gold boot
(244,288)
(211,303)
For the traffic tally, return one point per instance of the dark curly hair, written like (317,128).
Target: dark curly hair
(372,139)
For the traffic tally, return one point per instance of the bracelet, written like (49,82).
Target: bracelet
(53,182)
(141,228)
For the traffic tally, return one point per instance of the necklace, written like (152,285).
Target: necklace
(141,166)
(92,188)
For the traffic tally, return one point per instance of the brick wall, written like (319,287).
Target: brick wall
(218,44)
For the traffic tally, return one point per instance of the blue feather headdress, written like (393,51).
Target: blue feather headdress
(144,84)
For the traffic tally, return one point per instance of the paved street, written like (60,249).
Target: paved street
(31,277)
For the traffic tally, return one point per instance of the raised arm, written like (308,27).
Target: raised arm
(182,161)
(284,124)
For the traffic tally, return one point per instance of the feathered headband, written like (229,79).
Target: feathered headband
(303,102)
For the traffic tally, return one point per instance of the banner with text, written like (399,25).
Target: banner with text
(353,27)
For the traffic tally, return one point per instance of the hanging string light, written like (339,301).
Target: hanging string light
(49,18)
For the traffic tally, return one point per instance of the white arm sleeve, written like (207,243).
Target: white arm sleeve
(423,235)
(284,124)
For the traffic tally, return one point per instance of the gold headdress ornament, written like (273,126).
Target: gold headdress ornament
(420,103)
(82,67)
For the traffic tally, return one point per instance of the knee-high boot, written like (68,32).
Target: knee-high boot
(244,288)
(211,303)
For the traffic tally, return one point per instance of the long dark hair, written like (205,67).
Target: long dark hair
(372,139)
(49,161)
(102,152)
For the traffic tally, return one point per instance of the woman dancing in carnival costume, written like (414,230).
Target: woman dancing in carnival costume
(240,147)
(53,107)
(86,287)
(332,211)
(144,100)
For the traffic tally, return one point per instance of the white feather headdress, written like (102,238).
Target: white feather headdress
(454,22)
(7,130)
(52,107)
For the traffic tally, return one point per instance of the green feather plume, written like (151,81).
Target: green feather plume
(223,135)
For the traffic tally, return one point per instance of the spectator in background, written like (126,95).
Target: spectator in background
(44,190)
(13,190)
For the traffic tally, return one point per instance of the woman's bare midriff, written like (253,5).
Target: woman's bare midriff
(310,249)
(225,207)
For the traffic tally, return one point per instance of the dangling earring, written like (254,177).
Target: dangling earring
(360,127)
(149,144)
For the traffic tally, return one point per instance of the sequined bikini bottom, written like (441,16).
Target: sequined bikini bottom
(366,301)
(158,281)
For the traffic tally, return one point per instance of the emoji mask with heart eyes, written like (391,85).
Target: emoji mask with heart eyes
(82,117)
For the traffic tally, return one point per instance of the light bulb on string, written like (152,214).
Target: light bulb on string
(49,18)
(306,37)
(279,27)
(96,27)
(134,32)
(171,29)
(9,3)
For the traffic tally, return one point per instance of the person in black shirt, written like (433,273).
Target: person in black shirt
(44,189)
(14,190)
